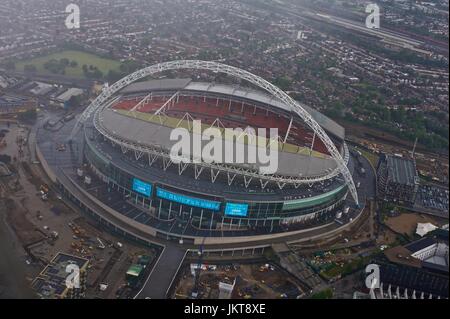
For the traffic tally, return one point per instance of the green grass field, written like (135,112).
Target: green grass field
(104,65)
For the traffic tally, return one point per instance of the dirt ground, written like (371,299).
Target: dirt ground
(407,222)
(35,221)
(386,237)
(253,281)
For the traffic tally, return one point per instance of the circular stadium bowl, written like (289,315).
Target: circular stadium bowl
(132,131)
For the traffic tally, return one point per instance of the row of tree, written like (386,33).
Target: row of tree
(59,66)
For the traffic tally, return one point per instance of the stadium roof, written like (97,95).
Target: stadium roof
(401,171)
(238,91)
(163,84)
(150,134)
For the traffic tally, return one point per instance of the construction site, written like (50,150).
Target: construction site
(45,225)
(237,281)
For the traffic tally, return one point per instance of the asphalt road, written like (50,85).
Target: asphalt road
(163,273)
(367,181)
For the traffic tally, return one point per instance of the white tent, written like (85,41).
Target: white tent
(424,228)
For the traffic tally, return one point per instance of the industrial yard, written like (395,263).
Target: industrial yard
(252,281)
(45,225)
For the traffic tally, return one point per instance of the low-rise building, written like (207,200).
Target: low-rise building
(16,104)
(52,282)
(398,180)
(418,270)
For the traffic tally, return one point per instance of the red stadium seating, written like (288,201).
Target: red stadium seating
(231,115)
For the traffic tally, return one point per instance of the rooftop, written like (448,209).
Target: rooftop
(420,244)
(149,134)
(67,95)
(163,84)
(135,270)
(429,252)
(51,282)
(402,171)
(414,279)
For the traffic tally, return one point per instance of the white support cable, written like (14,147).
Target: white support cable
(198,171)
(230,179)
(138,105)
(263,184)
(247,181)
(167,103)
(152,159)
(182,167)
(166,163)
(288,130)
(272,140)
(186,117)
(247,132)
(99,103)
(311,149)
(281,185)
(138,155)
(214,175)
(218,123)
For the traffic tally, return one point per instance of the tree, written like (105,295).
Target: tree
(113,76)
(29,116)
(324,294)
(5,158)
(129,66)
(64,61)
(55,66)
(30,68)
(9,65)
(75,101)
(283,83)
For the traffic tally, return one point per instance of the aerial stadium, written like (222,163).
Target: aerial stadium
(120,157)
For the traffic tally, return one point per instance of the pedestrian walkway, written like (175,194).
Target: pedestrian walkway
(163,274)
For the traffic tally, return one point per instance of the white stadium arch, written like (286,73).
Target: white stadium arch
(109,91)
